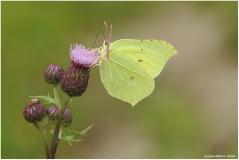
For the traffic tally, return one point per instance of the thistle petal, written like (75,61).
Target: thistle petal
(83,57)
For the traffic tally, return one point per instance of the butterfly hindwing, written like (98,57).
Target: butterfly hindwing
(124,82)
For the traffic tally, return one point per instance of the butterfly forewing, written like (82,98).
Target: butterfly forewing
(152,55)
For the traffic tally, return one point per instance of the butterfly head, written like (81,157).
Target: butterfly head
(107,40)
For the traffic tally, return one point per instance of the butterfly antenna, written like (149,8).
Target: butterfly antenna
(108,27)
(97,35)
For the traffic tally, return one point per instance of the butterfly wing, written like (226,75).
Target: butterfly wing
(125,80)
(152,55)
(129,70)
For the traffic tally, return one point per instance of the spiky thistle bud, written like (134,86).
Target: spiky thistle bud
(53,112)
(34,111)
(75,80)
(53,74)
(67,118)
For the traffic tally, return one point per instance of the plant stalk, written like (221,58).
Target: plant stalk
(56,96)
(55,138)
(43,134)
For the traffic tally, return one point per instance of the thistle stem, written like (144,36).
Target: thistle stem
(43,134)
(56,96)
(55,138)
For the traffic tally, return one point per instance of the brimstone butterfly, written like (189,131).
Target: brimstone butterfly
(128,66)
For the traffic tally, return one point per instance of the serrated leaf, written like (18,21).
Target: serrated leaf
(73,135)
(84,132)
(70,136)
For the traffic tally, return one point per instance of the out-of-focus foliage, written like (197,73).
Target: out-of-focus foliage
(192,111)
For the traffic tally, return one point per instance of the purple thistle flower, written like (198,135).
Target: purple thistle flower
(83,57)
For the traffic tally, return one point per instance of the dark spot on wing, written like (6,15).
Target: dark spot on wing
(140,60)
(151,40)
(141,49)
(141,40)
(132,77)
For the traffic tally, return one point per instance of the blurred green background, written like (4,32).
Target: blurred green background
(192,111)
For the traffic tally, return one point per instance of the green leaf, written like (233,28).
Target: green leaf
(129,69)
(70,135)
(84,132)
(46,99)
